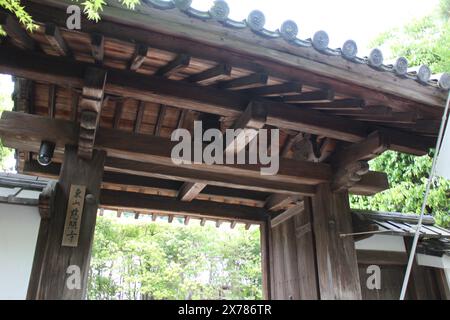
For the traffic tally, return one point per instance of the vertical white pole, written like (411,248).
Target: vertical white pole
(425,200)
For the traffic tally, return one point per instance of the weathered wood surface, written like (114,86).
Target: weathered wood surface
(191,96)
(53,260)
(195,208)
(213,40)
(292,267)
(336,256)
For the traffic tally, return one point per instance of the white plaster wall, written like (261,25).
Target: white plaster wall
(381,243)
(19,227)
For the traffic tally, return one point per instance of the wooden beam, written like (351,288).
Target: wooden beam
(288,214)
(55,39)
(186,220)
(371,183)
(58,261)
(375,144)
(252,119)
(139,117)
(274,90)
(187,96)
(155,151)
(196,208)
(139,56)
(190,190)
(322,96)
(277,202)
(98,48)
(202,222)
(250,81)
(160,120)
(342,104)
(211,75)
(180,62)
(51,101)
(370,257)
(118,114)
(15,31)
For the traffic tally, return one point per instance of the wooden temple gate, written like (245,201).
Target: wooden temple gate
(109,96)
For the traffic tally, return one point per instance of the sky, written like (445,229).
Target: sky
(359,20)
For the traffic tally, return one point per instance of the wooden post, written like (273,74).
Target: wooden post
(64,269)
(264,229)
(336,256)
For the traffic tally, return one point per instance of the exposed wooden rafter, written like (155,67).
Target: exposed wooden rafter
(55,39)
(139,56)
(189,96)
(98,48)
(211,75)
(180,62)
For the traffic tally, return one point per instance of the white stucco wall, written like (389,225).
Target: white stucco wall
(19,227)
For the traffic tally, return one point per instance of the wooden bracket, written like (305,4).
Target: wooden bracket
(45,200)
(90,106)
(348,176)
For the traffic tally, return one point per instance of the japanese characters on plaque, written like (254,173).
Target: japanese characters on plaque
(73,216)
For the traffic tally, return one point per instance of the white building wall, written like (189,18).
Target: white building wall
(19,226)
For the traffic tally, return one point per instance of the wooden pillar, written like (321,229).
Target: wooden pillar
(336,256)
(62,271)
(292,257)
(265,259)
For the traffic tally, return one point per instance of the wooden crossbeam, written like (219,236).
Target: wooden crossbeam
(139,117)
(196,208)
(251,120)
(342,104)
(180,62)
(51,100)
(348,175)
(118,114)
(371,183)
(296,176)
(55,39)
(373,146)
(190,190)
(286,215)
(277,202)
(322,96)
(189,96)
(15,31)
(98,48)
(139,56)
(211,75)
(160,120)
(250,81)
(289,87)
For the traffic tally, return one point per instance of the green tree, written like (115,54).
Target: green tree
(423,41)
(92,9)
(141,260)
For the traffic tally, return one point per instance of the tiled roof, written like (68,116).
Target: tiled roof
(288,31)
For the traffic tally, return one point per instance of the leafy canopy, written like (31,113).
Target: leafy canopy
(423,41)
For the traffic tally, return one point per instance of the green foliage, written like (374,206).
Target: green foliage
(424,41)
(162,261)
(92,9)
(408,177)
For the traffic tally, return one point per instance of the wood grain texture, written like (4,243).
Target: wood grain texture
(336,256)
(56,259)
